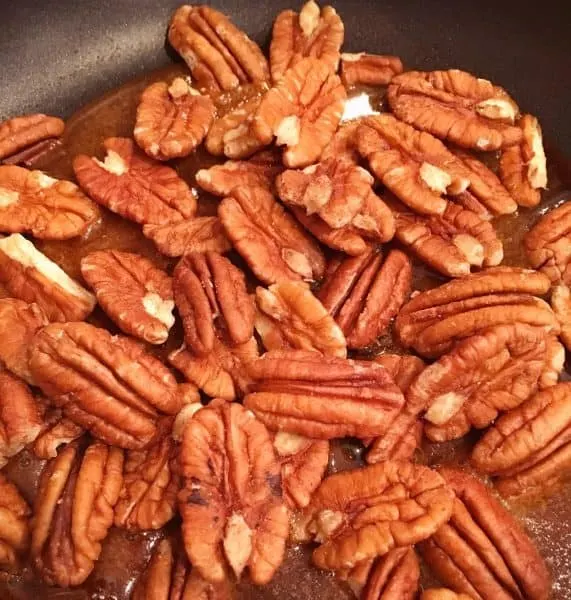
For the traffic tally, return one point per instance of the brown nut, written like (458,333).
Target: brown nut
(343,144)
(268,238)
(523,166)
(74,511)
(57,431)
(24,132)
(364,294)
(369,69)
(132,185)
(548,244)
(302,111)
(393,576)
(290,316)
(561,304)
(442,594)
(201,234)
(231,502)
(219,55)
(322,397)
(530,446)
(14,524)
(364,513)
(482,551)
(313,32)
(456,106)
(172,120)
(432,321)
(29,275)
(107,384)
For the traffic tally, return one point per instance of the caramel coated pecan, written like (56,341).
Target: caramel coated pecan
(14,524)
(268,238)
(132,185)
(313,32)
(561,304)
(74,511)
(393,576)
(548,244)
(364,513)
(369,69)
(231,502)
(482,551)
(452,243)
(135,294)
(456,106)
(443,594)
(23,132)
(31,276)
(172,120)
(433,320)
(107,384)
(219,55)
(322,397)
(57,431)
(302,111)
(523,167)
(290,316)
(364,294)
(47,208)
(530,446)
(201,234)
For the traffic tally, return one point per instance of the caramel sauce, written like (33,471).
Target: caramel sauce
(125,554)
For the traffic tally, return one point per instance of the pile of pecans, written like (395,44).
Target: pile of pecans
(237,443)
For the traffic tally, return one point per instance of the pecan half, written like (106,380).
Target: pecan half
(14,524)
(369,69)
(201,234)
(135,294)
(23,132)
(290,316)
(132,185)
(548,244)
(456,106)
(530,446)
(433,320)
(482,551)
(107,384)
(29,275)
(393,576)
(219,55)
(561,304)
(172,120)
(313,32)
(231,502)
(343,144)
(403,368)
(74,511)
(364,513)
(322,397)
(442,594)
(57,431)
(302,111)
(268,238)
(47,208)
(523,167)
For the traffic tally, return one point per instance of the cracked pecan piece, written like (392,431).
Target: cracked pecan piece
(172,119)
(443,594)
(456,106)
(108,384)
(289,316)
(393,576)
(135,294)
(343,145)
(364,513)
(322,397)
(529,448)
(302,111)
(14,524)
(134,186)
(483,375)
(56,431)
(523,166)
(231,502)
(268,238)
(482,551)
(21,133)
(47,208)
(29,275)
(362,68)
(561,304)
(364,294)
(74,511)
(219,55)
(433,320)
(314,32)
(548,244)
